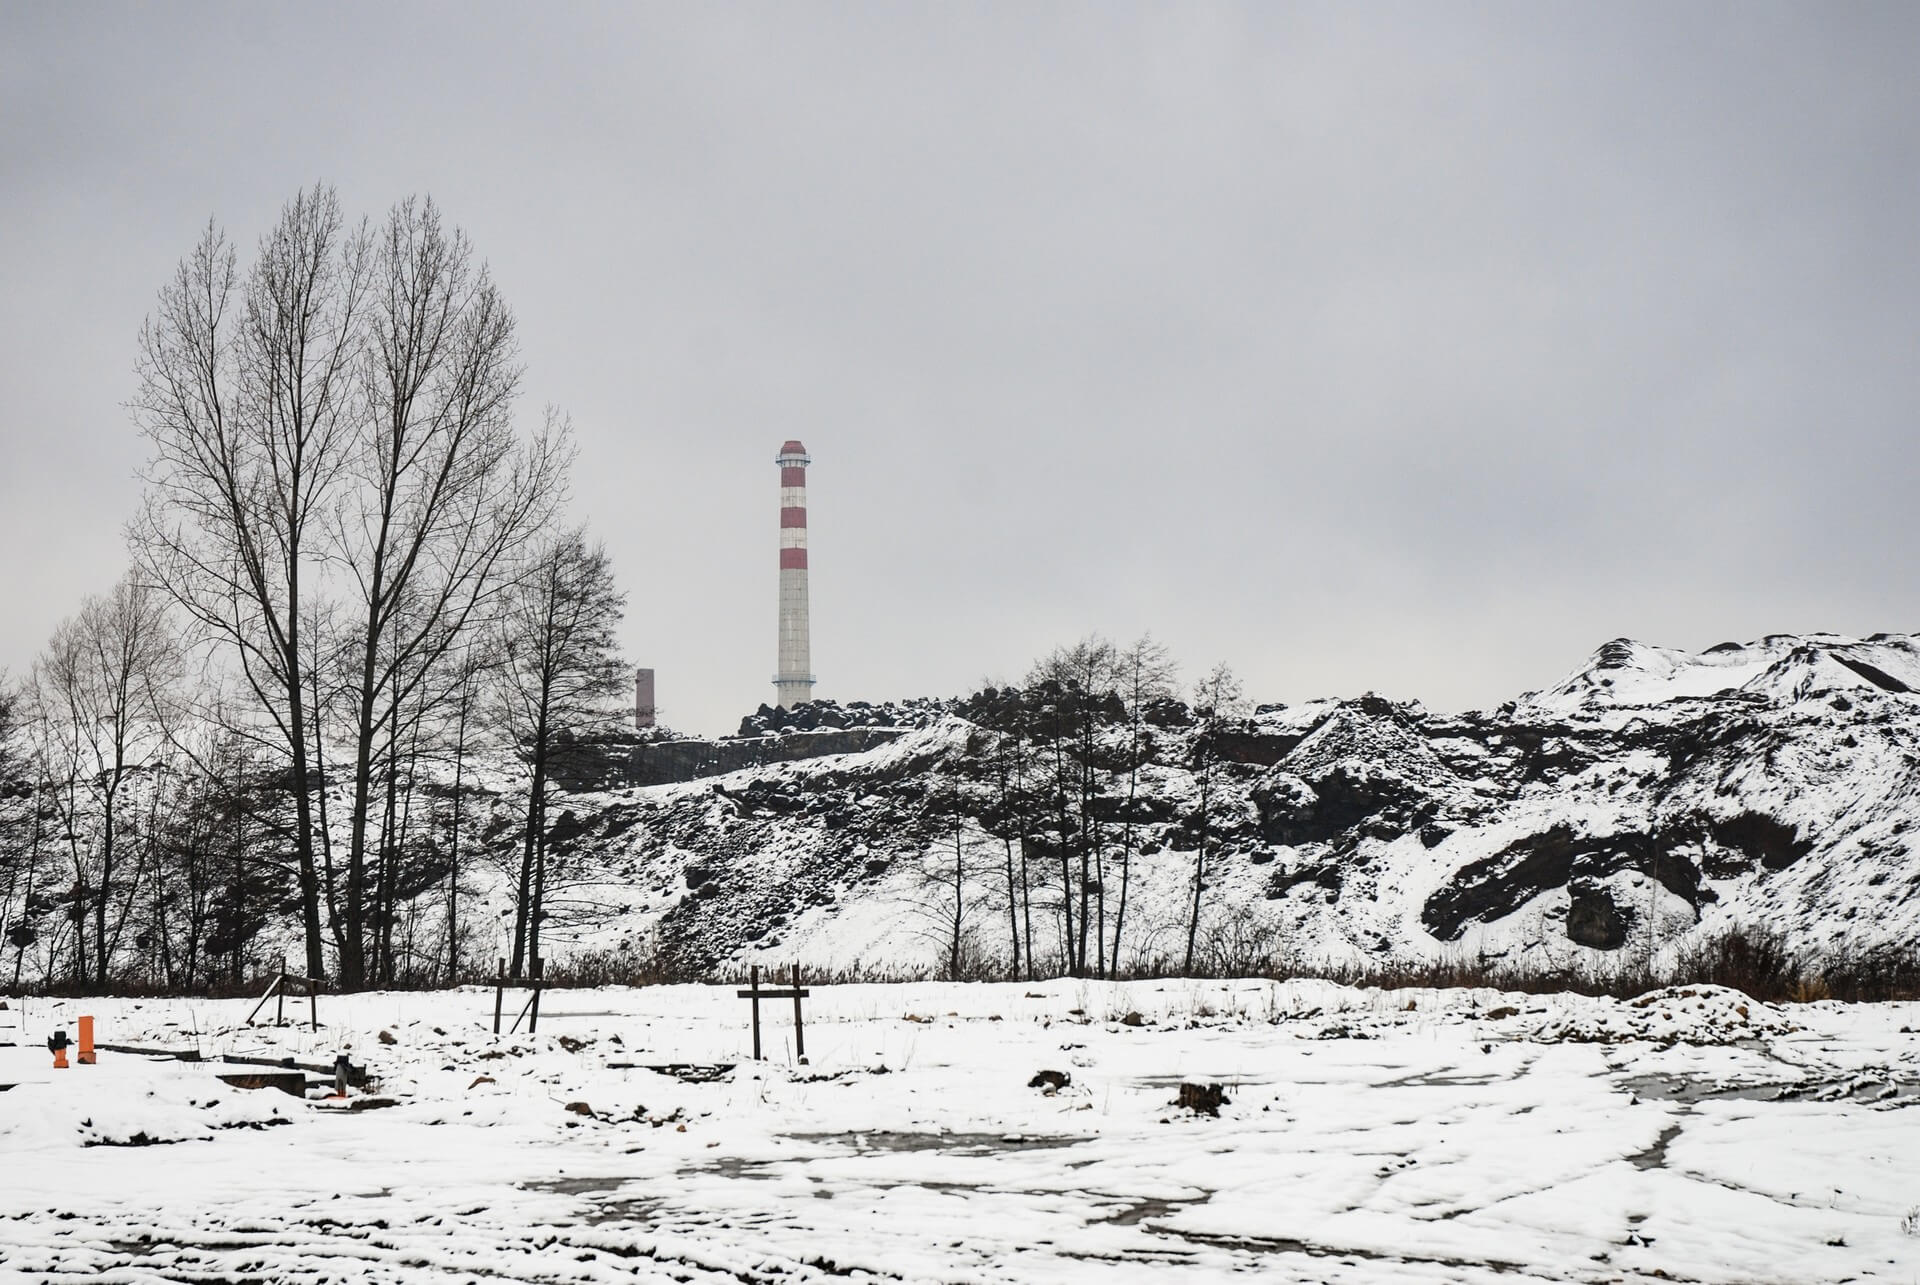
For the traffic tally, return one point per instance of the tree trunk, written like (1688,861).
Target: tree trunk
(302,795)
(1013,910)
(525,923)
(1200,861)
(104,891)
(453,842)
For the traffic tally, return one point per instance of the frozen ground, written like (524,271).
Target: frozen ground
(1369,1136)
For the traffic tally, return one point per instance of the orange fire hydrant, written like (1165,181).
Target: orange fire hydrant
(58,1043)
(86,1057)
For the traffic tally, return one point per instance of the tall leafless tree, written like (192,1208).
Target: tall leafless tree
(249,398)
(446,494)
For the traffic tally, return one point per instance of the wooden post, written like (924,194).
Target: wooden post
(539,971)
(278,985)
(313,1001)
(499,994)
(799,1036)
(755,983)
(280,1000)
(796,993)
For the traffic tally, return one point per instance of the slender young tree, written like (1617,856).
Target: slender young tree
(1007,766)
(561,677)
(1076,687)
(473,667)
(20,837)
(946,895)
(1144,672)
(1217,699)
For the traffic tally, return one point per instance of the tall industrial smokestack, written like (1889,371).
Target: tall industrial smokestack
(794,681)
(643,711)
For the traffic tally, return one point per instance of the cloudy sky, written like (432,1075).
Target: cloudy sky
(1410,348)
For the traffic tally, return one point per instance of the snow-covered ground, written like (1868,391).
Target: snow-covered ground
(1369,1136)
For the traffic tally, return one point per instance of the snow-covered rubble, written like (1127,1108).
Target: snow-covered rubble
(1646,805)
(1366,1135)
(1650,801)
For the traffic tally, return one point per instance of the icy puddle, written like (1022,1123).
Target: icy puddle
(958,1144)
(1866,1090)
(1717,1142)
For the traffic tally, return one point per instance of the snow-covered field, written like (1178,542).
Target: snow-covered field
(1369,1136)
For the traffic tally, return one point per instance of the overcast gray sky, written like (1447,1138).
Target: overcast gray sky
(1410,348)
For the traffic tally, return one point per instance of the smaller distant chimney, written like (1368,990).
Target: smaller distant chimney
(642,699)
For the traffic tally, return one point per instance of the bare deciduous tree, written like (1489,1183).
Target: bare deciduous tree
(248,398)
(445,494)
(1217,699)
(1144,674)
(945,896)
(1075,690)
(561,676)
(101,690)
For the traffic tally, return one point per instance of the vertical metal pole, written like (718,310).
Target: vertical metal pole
(799,1034)
(539,971)
(280,1000)
(499,994)
(754,984)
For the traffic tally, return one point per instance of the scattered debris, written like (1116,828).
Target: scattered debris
(1203,1099)
(292,1083)
(687,1072)
(354,1104)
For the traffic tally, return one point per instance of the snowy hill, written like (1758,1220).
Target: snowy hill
(1650,797)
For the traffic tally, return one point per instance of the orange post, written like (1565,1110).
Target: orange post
(86,1042)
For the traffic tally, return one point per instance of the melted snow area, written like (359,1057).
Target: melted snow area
(1367,1136)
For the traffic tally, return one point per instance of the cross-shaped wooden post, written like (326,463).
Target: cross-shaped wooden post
(796,993)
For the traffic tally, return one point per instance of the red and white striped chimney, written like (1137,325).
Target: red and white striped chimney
(793,683)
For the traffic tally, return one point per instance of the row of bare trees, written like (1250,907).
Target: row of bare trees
(1057,811)
(351,564)
(121,808)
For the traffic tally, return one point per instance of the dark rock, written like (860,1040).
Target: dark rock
(1756,837)
(1495,886)
(1202,1099)
(1593,920)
